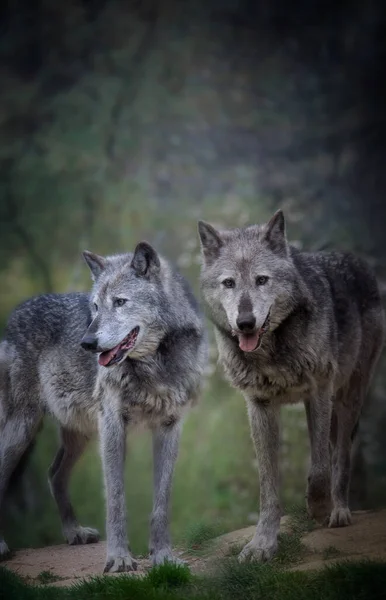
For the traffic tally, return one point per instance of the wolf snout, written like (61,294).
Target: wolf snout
(90,343)
(246,322)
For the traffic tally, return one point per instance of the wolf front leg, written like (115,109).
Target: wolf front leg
(264,421)
(165,451)
(112,433)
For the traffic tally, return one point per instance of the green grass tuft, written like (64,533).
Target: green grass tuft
(169,576)
(235,549)
(47,577)
(199,536)
(290,550)
(299,520)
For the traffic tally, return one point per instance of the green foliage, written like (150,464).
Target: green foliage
(345,581)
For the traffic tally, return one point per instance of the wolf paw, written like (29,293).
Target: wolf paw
(81,535)
(165,555)
(120,564)
(340,517)
(258,550)
(4,550)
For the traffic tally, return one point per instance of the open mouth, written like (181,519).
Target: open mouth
(248,342)
(115,355)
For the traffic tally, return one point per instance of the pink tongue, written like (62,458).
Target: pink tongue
(105,357)
(249,342)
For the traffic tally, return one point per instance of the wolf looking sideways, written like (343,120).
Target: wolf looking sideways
(293,326)
(143,321)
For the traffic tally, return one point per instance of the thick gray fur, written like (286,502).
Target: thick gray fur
(325,335)
(44,369)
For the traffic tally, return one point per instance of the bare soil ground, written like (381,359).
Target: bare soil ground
(64,565)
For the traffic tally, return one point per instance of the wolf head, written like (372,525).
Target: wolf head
(248,279)
(126,305)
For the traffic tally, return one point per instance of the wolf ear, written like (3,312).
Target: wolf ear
(211,241)
(145,260)
(275,235)
(96,263)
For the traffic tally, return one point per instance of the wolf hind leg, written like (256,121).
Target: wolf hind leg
(16,434)
(318,412)
(72,446)
(346,419)
(347,411)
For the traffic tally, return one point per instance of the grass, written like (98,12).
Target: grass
(169,576)
(199,536)
(299,520)
(290,550)
(235,549)
(345,581)
(47,577)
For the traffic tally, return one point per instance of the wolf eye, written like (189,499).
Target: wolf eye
(261,280)
(119,301)
(229,283)
(95,307)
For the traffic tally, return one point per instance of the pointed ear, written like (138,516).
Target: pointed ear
(145,260)
(211,241)
(96,263)
(275,235)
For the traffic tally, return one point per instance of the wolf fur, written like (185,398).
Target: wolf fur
(49,364)
(293,326)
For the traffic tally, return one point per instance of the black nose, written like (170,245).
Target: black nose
(89,342)
(246,322)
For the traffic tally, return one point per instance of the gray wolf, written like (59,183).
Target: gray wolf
(131,352)
(293,326)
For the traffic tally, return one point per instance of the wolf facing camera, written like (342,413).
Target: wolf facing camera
(293,326)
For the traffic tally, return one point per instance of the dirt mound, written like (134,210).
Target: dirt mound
(63,565)
(364,539)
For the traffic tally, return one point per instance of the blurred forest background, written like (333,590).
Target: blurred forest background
(122,121)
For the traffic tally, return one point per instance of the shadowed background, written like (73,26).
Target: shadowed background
(126,121)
